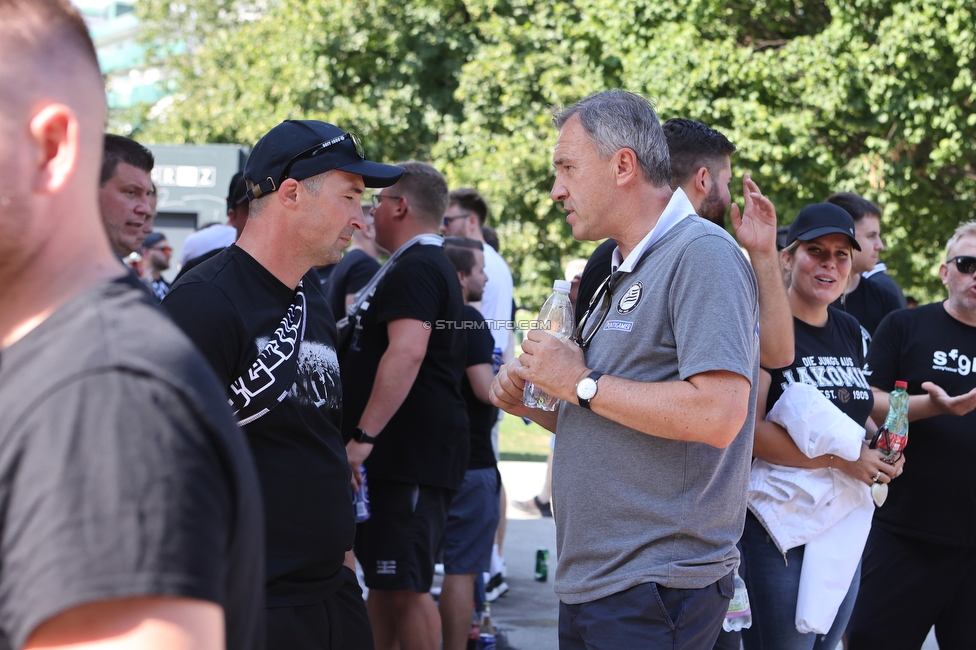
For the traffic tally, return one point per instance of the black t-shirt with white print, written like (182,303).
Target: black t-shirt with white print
(935,498)
(231,306)
(831,359)
(426,440)
(122,472)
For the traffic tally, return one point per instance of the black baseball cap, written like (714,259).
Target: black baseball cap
(237,192)
(821,219)
(301,149)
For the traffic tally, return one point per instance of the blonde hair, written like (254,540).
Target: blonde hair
(967,229)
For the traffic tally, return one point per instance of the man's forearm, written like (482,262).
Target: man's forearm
(775,316)
(710,408)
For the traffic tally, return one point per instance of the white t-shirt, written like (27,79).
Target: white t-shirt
(208,239)
(496,303)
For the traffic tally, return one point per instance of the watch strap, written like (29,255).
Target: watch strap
(363,437)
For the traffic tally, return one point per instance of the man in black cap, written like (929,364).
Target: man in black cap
(155,252)
(259,317)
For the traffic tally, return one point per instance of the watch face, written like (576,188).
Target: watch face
(586,389)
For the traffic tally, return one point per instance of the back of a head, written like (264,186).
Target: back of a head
(693,145)
(470,200)
(43,43)
(126,150)
(426,190)
(855,205)
(617,119)
(46,53)
(460,250)
(491,238)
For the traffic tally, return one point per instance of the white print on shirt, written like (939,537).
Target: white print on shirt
(960,362)
(838,378)
(317,378)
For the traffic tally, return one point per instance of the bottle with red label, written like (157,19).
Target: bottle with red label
(892,436)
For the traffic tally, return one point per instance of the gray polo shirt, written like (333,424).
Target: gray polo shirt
(630,507)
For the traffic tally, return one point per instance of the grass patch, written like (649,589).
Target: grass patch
(520,441)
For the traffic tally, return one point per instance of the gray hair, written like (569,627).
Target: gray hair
(617,119)
(312,185)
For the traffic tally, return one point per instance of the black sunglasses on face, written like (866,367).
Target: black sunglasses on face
(311,152)
(965,264)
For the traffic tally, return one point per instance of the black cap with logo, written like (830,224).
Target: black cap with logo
(301,149)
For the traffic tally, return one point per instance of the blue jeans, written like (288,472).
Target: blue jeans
(773,585)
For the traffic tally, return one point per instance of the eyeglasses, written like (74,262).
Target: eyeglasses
(447,220)
(165,250)
(965,264)
(379,197)
(311,152)
(597,311)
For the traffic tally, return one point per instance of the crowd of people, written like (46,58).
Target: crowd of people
(715,401)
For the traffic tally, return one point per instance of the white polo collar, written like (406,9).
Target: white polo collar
(677,209)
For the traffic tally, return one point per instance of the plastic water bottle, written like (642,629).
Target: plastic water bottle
(557,318)
(739,616)
(486,633)
(892,436)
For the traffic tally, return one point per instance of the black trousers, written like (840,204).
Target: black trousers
(337,623)
(909,585)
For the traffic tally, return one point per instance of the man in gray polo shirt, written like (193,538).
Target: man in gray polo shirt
(654,428)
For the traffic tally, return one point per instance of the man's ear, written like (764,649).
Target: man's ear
(289,192)
(702,180)
(56,133)
(400,210)
(625,166)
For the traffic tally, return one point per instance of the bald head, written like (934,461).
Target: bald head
(52,114)
(44,47)
(47,57)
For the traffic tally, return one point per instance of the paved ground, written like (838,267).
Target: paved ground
(526,617)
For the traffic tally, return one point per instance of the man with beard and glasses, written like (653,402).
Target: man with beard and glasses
(701,166)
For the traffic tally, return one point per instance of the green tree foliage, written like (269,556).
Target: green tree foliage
(870,96)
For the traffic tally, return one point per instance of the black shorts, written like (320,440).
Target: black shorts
(337,623)
(396,545)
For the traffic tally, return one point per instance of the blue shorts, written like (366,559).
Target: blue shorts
(471,523)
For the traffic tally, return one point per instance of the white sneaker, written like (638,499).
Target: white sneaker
(495,587)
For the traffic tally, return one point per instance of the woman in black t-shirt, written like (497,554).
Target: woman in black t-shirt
(828,355)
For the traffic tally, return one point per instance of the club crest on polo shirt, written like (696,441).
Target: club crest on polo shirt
(631,298)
